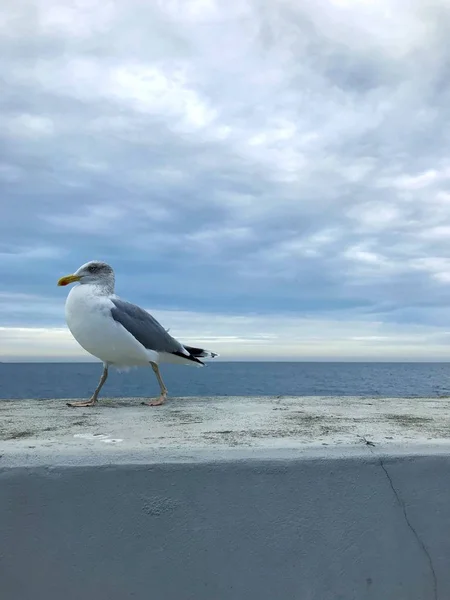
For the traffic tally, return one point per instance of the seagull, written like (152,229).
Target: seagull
(117,332)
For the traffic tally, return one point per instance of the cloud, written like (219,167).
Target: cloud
(258,337)
(281,159)
(346,335)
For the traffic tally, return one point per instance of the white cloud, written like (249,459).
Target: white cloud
(417,182)
(20,254)
(262,337)
(27,126)
(378,216)
(18,343)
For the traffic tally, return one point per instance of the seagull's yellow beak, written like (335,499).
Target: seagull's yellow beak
(68,279)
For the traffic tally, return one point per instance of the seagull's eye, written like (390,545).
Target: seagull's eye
(92,269)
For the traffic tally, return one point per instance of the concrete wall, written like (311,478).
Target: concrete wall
(303,529)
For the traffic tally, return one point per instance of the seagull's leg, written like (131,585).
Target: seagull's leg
(163,396)
(94,397)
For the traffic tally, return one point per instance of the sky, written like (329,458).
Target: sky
(269,178)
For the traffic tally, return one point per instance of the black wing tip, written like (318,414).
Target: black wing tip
(200,352)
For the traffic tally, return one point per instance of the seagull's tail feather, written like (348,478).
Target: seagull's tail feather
(200,352)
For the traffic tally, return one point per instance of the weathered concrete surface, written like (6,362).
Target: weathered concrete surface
(230,499)
(47,430)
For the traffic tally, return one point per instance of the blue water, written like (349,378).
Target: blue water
(78,380)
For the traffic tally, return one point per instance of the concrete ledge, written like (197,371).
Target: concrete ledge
(121,430)
(226,499)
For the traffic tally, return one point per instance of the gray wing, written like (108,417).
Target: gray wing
(144,327)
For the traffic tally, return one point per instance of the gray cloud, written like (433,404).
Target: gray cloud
(249,158)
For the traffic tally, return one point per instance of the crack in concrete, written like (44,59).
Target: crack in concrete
(413,530)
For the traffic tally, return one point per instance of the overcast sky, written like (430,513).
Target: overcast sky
(269,178)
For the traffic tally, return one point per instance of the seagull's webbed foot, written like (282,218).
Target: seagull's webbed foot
(83,403)
(159,402)
(93,400)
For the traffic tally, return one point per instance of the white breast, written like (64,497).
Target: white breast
(88,317)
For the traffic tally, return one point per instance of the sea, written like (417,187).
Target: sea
(78,380)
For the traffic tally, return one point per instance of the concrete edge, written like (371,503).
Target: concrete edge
(21,459)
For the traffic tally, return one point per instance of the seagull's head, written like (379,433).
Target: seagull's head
(94,272)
